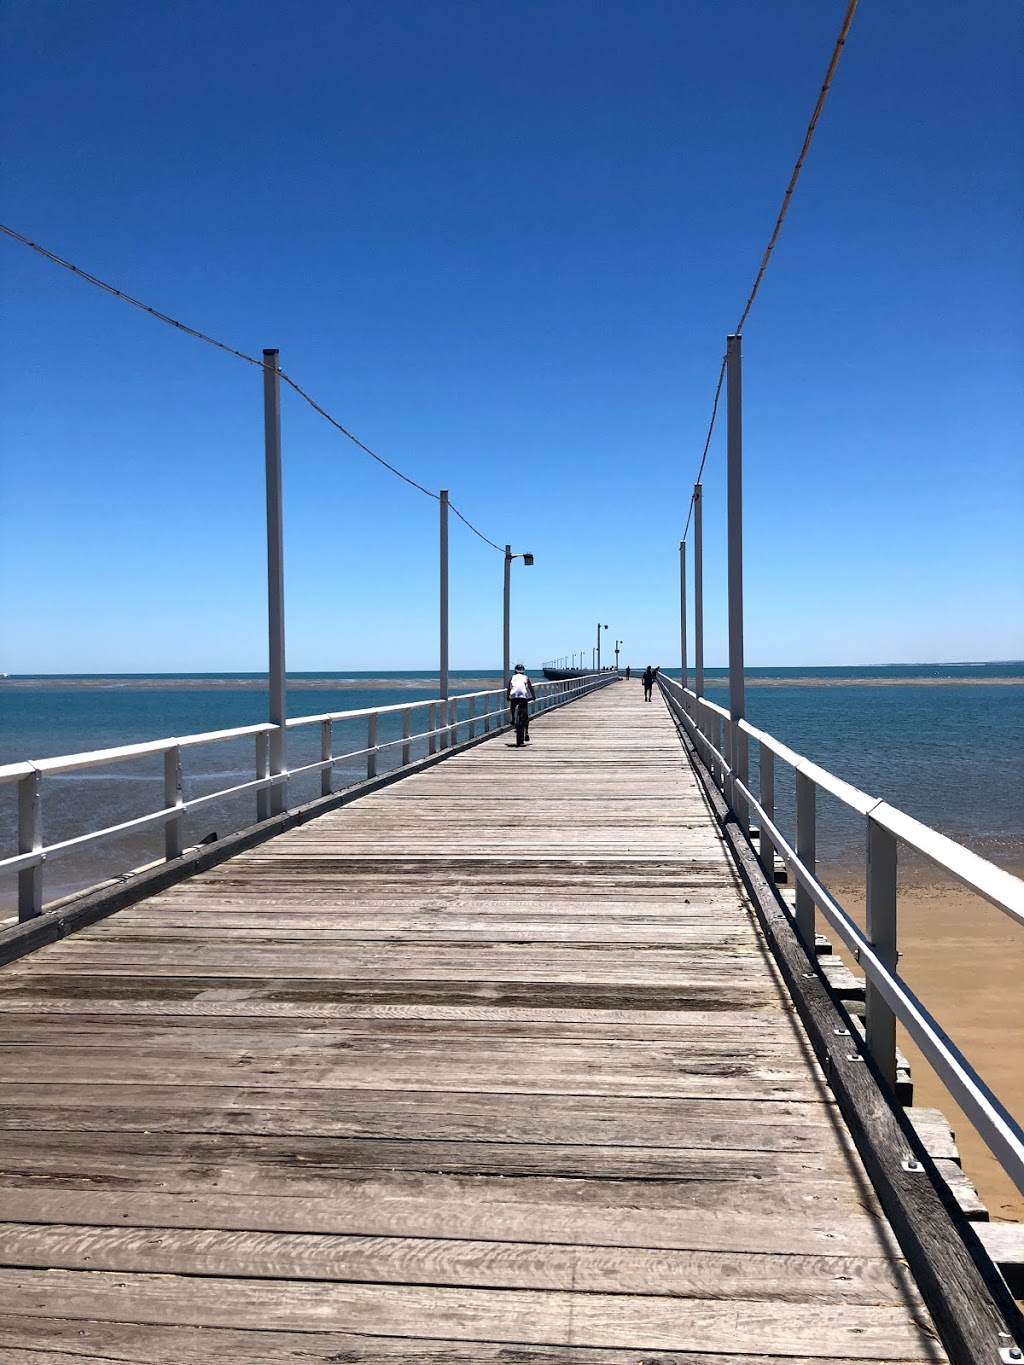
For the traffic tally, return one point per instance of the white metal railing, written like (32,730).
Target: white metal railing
(471,713)
(887,996)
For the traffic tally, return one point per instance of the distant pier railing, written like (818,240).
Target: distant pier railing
(469,714)
(717,740)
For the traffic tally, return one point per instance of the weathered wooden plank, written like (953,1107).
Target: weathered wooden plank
(425,1261)
(815,1225)
(865,1332)
(256,1163)
(325,992)
(540,1069)
(92,1028)
(36,1341)
(775,1125)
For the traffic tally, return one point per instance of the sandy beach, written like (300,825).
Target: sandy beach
(964,959)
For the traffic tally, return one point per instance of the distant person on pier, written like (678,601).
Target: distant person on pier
(648,681)
(627,672)
(521,693)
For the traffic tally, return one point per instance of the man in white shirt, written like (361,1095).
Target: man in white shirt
(520,693)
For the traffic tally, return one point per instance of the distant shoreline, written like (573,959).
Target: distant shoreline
(243,684)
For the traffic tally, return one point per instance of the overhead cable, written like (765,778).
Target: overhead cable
(786,198)
(240,355)
(467,522)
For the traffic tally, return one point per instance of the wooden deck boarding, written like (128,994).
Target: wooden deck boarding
(491,1065)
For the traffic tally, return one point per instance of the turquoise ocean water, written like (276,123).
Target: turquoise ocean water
(943,742)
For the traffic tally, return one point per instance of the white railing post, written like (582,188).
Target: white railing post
(262,772)
(806,851)
(487,714)
(30,840)
(371,745)
(325,757)
(173,841)
(432,726)
(716,742)
(406,733)
(880,927)
(472,717)
(766,791)
(275,578)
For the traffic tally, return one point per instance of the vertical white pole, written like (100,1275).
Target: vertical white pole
(806,850)
(325,757)
(446,738)
(406,732)
(30,840)
(275,575)
(880,924)
(506,658)
(262,771)
(738,747)
(682,614)
(172,797)
(698,591)
(765,847)
(371,745)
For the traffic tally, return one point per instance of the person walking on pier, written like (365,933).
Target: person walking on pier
(627,672)
(520,694)
(648,681)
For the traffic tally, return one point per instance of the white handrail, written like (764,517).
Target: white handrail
(997,886)
(888,996)
(443,729)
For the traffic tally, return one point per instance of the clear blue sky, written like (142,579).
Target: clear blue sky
(494,237)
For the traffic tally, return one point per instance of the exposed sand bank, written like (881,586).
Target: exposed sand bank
(964,959)
(127,682)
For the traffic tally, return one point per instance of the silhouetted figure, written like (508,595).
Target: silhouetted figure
(648,681)
(627,672)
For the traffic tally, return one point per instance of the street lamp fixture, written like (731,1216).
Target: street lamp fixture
(506,656)
(599,630)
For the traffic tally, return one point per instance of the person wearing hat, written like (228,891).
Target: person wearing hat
(520,693)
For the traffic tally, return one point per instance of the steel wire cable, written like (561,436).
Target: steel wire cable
(786,199)
(465,520)
(240,355)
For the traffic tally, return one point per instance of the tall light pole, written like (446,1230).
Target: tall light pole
(617,643)
(278,796)
(599,630)
(506,657)
(738,756)
(443,680)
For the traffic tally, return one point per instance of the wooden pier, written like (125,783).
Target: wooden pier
(490,1065)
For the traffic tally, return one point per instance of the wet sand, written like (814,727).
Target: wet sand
(964,959)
